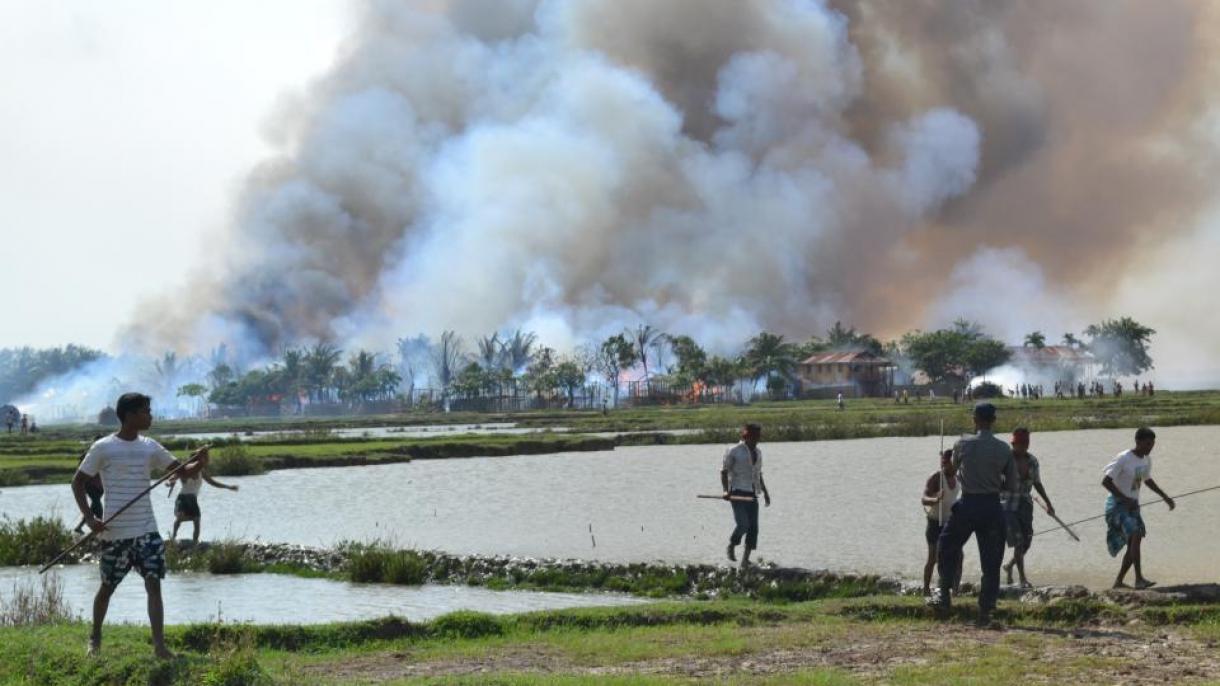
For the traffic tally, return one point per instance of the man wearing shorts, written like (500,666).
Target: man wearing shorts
(125,460)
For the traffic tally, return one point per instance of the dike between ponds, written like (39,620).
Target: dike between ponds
(764,582)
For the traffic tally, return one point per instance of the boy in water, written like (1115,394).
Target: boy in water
(186,506)
(125,460)
(1125,527)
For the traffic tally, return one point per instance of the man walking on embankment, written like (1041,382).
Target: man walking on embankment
(741,478)
(985,466)
(1124,524)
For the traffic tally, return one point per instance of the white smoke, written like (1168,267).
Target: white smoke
(475,171)
(1006,292)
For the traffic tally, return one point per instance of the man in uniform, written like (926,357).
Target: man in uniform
(985,466)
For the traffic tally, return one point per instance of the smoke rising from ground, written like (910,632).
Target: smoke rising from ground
(714,167)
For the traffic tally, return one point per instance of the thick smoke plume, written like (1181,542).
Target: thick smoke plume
(713,167)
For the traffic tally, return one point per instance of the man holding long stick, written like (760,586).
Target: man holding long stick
(1125,526)
(125,460)
(1021,518)
(742,479)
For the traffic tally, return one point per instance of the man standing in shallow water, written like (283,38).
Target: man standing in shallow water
(741,478)
(1125,525)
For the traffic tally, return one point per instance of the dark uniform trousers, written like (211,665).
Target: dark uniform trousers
(982,516)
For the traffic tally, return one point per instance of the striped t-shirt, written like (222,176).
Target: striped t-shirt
(125,467)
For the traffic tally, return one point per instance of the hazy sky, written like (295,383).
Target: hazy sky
(125,127)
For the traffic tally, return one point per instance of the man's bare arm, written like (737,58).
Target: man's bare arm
(763,484)
(216,483)
(195,464)
(1045,498)
(931,492)
(1168,500)
(1108,484)
(724,480)
(78,494)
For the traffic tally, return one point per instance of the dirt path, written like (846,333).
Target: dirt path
(1126,655)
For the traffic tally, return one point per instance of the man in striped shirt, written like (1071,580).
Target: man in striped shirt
(125,460)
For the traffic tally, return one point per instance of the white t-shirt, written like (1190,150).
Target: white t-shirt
(743,476)
(191,486)
(125,467)
(1129,471)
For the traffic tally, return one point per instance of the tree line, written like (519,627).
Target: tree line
(517,364)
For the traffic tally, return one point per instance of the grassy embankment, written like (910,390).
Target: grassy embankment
(50,457)
(54,460)
(877,639)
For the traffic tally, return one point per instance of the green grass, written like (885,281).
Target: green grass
(55,462)
(820,642)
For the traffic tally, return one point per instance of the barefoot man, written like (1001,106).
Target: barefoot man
(1021,518)
(125,459)
(742,479)
(1125,526)
(939,493)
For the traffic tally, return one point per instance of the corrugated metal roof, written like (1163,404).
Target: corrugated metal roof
(846,357)
(1052,354)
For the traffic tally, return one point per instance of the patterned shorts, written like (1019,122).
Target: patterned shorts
(146,553)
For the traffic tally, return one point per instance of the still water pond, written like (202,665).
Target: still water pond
(844,505)
(279,599)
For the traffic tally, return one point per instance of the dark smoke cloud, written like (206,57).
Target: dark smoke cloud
(712,167)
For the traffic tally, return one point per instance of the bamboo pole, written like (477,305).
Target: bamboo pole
(93,533)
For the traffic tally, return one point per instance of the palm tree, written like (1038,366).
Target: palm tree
(518,350)
(167,367)
(447,357)
(1070,340)
(319,368)
(489,351)
(1035,340)
(292,371)
(644,337)
(771,357)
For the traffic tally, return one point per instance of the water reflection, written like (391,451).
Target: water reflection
(279,599)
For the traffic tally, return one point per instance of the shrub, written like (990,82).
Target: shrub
(987,389)
(13,477)
(466,624)
(235,460)
(366,564)
(227,558)
(404,567)
(34,541)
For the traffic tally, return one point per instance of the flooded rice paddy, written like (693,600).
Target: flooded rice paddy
(843,505)
(280,599)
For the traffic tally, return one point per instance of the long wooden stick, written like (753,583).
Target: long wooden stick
(94,532)
(736,498)
(1047,510)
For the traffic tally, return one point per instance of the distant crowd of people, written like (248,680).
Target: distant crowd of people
(26,423)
